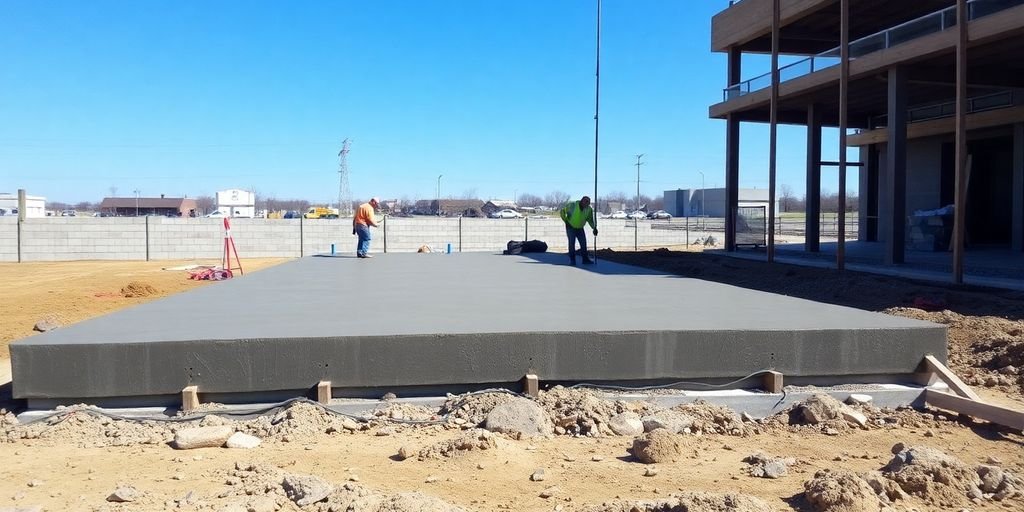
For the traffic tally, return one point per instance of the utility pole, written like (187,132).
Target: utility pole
(702,196)
(136,202)
(638,164)
(344,192)
(439,176)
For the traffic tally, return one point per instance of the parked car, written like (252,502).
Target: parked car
(660,214)
(101,214)
(216,214)
(506,214)
(619,215)
(637,215)
(68,213)
(291,214)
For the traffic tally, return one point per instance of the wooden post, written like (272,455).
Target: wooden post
(531,385)
(772,382)
(773,134)
(812,224)
(844,90)
(732,156)
(189,398)
(323,392)
(896,167)
(960,193)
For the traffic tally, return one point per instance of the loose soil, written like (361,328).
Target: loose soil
(75,462)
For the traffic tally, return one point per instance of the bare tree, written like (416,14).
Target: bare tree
(205,204)
(556,198)
(113,191)
(529,200)
(469,193)
(787,199)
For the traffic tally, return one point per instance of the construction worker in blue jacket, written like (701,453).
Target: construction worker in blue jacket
(575,215)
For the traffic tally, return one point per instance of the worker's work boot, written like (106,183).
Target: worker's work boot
(572,262)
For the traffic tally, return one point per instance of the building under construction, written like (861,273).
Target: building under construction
(929,90)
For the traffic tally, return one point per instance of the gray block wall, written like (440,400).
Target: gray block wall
(157,238)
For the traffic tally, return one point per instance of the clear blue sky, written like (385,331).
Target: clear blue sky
(192,97)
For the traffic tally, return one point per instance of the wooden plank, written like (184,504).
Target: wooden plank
(189,398)
(323,392)
(989,412)
(933,365)
(960,181)
(946,125)
(772,382)
(531,385)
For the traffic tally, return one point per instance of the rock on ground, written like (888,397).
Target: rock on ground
(823,409)
(709,418)
(202,437)
(306,489)
(934,476)
(763,466)
(521,417)
(626,424)
(689,502)
(241,440)
(672,421)
(124,494)
(656,447)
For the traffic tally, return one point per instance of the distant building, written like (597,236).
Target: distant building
(710,202)
(35,206)
(498,204)
(141,206)
(236,203)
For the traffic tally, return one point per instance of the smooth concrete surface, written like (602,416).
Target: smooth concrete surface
(422,320)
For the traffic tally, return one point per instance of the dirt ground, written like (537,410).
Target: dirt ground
(74,462)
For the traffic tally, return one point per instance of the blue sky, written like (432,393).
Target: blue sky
(192,97)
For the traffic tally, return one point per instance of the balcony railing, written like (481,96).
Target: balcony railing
(909,31)
(993,101)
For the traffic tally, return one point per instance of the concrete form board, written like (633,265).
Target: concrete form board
(403,320)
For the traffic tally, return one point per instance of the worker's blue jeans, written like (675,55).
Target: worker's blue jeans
(364,239)
(575,234)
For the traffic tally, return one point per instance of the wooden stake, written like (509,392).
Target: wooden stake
(189,398)
(531,385)
(934,366)
(323,392)
(981,410)
(772,382)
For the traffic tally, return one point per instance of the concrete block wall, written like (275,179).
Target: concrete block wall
(8,238)
(88,238)
(82,238)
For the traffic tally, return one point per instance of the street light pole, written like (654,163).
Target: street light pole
(638,164)
(136,202)
(439,194)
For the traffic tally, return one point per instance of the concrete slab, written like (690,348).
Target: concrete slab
(455,321)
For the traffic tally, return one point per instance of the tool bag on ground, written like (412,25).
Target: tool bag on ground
(517,247)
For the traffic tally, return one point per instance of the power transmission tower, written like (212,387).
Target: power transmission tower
(344,192)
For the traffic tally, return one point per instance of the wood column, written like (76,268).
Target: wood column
(812,222)
(896,167)
(773,135)
(844,89)
(732,156)
(1017,208)
(960,180)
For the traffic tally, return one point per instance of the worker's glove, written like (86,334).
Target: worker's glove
(595,231)
(353,231)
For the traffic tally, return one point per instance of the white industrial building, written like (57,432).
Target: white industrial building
(710,202)
(35,206)
(236,203)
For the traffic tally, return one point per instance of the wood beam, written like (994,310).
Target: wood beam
(812,222)
(844,91)
(189,398)
(960,180)
(978,409)
(944,126)
(1017,208)
(773,135)
(896,167)
(732,180)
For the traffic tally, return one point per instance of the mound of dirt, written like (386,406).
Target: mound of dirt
(984,350)
(473,408)
(138,289)
(88,429)
(467,442)
(657,446)
(580,411)
(842,491)
(299,420)
(406,412)
(688,502)
(713,419)
(936,477)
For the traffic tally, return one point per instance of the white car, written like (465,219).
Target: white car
(637,215)
(215,215)
(619,215)
(506,214)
